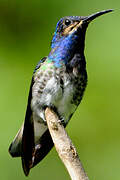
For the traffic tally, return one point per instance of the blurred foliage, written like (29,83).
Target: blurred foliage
(26,29)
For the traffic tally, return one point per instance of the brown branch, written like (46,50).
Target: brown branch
(64,147)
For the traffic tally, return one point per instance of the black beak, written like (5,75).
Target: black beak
(89,18)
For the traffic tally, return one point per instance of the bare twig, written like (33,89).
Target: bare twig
(64,147)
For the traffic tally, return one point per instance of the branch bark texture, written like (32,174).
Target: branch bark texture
(64,147)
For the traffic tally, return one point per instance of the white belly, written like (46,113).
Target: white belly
(49,92)
(53,94)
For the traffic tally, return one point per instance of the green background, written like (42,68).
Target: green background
(26,29)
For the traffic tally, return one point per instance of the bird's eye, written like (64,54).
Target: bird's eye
(67,22)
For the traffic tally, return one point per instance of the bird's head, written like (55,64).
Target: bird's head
(73,27)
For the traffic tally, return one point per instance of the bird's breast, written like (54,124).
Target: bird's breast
(58,88)
(53,86)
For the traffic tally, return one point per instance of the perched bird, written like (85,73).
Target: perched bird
(59,81)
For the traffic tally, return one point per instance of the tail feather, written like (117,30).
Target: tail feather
(42,148)
(16,145)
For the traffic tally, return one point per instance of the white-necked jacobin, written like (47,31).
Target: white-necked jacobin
(59,81)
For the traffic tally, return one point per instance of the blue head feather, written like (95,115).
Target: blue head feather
(63,46)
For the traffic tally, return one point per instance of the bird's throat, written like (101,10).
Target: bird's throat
(64,50)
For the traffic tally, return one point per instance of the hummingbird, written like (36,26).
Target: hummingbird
(59,82)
